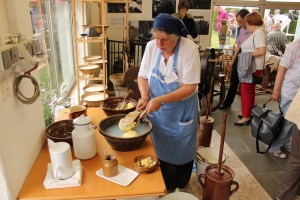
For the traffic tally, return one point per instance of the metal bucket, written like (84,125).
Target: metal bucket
(206,156)
(179,195)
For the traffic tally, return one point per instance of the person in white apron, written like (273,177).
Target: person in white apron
(168,79)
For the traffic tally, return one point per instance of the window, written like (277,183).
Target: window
(52,26)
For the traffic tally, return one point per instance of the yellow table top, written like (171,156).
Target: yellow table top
(92,186)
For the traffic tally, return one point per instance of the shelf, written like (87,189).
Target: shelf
(90,39)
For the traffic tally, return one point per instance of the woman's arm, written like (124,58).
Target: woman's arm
(181,93)
(259,51)
(145,93)
(278,83)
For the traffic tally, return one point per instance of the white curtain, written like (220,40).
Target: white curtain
(4,190)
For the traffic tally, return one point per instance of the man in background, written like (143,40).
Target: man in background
(276,40)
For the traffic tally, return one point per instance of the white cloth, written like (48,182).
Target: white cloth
(293,113)
(259,41)
(124,177)
(291,61)
(273,61)
(188,62)
(50,182)
(4,190)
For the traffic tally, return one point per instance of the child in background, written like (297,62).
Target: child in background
(223,33)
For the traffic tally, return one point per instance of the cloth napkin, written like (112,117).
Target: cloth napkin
(124,177)
(50,182)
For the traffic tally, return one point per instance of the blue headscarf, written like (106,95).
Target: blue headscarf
(170,24)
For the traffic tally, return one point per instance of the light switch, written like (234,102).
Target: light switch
(7,62)
(14,52)
(36,49)
(28,46)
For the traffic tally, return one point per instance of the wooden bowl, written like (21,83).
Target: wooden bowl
(94,88)
(145,163)
(108,127)
(76,111)
(93,99)
(60,131)
(88,69)
(108,105)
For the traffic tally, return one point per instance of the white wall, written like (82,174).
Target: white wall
(21,125)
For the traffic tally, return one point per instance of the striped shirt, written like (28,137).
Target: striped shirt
(276,41)
(291,61)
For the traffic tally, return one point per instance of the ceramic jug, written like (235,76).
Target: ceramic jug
(83,138)
(61,160)
(216,185)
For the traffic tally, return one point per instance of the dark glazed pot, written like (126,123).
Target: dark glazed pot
(108,127)
(108,105)
(218,186)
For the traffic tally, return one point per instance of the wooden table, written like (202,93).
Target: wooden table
(92,186)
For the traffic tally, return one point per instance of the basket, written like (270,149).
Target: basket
(117,79)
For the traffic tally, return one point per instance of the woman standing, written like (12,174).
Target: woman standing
(187,18)
(168,79)
(256,43)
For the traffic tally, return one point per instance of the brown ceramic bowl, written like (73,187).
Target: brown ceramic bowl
(108,127)
(145,163)
(76,111)
(60,131)
(109,105)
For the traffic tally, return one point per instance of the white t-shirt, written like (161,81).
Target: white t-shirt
(259,41)
(188,62)
(291,61)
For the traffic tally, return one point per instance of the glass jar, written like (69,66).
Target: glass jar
(110,166)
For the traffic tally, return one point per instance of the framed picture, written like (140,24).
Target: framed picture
(200,4)
(134,7)
(163,6)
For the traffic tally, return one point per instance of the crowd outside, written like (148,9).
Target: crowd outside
(187,18)
(168,78)
(276,40)
(232,24)
(269,23)
(223,34)
(276,15)
(287,83)
(242,35)
(222,14)
(256,44)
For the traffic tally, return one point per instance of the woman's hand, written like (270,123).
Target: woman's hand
(142,103)
(154,105)
(276,95)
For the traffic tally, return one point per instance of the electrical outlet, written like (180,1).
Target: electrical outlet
(14,55)
(7,62)
(28,46)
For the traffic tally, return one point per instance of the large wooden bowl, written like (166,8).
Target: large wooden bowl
(108,127)
(109,105)
(88,69)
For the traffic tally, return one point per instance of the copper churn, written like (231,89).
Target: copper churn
(218,180)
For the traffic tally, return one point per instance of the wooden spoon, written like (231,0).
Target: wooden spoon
(122,104)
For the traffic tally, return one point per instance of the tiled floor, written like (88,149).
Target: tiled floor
(267,169)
